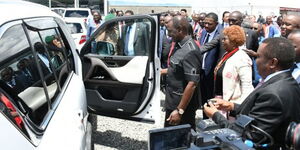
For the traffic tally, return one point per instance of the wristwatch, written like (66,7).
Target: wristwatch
(180,111)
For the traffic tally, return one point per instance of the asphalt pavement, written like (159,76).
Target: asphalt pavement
(112,134)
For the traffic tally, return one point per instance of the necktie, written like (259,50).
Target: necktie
(207,38)
(259,84)
(171,52)
(127,40)
(204,56)
(12,83)
(162,32)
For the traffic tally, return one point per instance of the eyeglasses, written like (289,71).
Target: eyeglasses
(253,28)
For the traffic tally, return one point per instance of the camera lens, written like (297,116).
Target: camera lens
(289,134)
(292,137)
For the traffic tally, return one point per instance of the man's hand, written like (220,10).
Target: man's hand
(210,109)
(223,104)
(250,52)
(163,71)
(174,118)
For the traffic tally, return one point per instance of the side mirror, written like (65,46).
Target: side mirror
(103,48)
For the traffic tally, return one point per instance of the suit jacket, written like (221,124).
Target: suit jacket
(211,60)
(237,77)
(251,39)
(273,106)
(141,39)
(251,42)
(166,46)
(212,56)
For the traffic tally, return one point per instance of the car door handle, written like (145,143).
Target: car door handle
(151,72)
(112,64)
(80,114)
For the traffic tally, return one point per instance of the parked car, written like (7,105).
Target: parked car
(77,13)
(78,30)
(47,86)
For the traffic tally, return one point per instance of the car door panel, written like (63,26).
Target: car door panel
(112,88)
(118,84)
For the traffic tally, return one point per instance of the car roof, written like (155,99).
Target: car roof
(13,10)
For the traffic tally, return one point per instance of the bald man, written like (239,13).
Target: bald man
(290,23)
(294,36)
(271,30)
(236,18)
(183,75)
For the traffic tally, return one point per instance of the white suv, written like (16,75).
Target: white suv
(46,86)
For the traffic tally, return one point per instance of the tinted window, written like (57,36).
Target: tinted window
(8,44)
(20,77)
(34,69)
(76,13)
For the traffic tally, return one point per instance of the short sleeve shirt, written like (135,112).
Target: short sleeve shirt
(185,64)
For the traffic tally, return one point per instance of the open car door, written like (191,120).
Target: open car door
(121,69)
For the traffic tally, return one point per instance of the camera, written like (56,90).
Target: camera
(292,138)
(208,136)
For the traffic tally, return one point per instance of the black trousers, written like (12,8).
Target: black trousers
(187,118)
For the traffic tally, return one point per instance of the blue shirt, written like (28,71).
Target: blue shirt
(274,74)
(131,40)
(296,73)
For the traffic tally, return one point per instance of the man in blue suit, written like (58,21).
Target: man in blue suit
(210,58)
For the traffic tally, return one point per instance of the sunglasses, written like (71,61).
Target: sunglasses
(253,28)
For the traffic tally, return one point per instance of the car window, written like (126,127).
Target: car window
(76,13)
(123,38)
(34,70)
(75,28)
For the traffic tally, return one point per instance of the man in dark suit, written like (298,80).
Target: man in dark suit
(236,18)
(275,103)
(225,18)
(134,39)
(10,78)
(210,58)
(29,70)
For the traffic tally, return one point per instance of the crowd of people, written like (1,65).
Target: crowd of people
(246,66)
